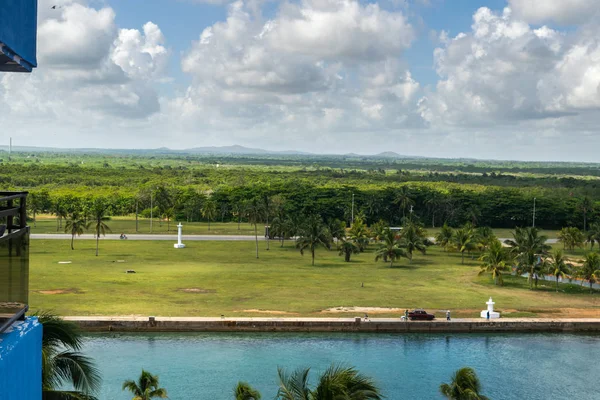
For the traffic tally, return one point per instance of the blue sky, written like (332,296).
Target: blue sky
(508,79)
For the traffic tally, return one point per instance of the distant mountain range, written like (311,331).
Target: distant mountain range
(208,150)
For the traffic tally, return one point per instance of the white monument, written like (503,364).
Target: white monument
(179,245)
(490,310)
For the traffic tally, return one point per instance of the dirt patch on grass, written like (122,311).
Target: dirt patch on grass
(60,291)
(198,290)
(373,310)
(272,312)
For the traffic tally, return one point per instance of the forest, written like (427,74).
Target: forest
(183,186)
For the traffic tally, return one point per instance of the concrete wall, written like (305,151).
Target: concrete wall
(18,27)
(21,361)
(339,325)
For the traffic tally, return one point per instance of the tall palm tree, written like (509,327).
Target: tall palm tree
(593,235)
(528,247)
(464,241)
(359,233)
(337,229)
(254,211)
(586,206)
(444,236)
(209,210)
(75,225)
(312,235)
(558,266)
(403,199)
(485,237)
(496,260)
(465,385)
(571,237)
(99,218)
(146,388)
(590,270)
(433,202)
(243,391)
(63,364)
(347,248)
(413,238)
(390,248)
(337,382)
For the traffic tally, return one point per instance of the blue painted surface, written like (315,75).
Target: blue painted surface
(21,361)
(18,28)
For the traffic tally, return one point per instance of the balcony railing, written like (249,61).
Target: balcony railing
(14,257)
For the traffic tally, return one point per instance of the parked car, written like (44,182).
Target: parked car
(420,314)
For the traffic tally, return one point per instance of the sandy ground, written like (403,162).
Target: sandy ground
(363,310)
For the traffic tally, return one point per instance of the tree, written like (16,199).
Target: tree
(169,214)
(347,248)
(243,391)
(571,237)
(496,260)
(359,233)
(337,229)
(75,225)
(558,266)
(465,385)
(209,210)
(464,240)
(586,206)
(403,199)
(99,218)
(63,364)
(433,203)
(146,388)
(413,238)
(390,249)
(254,212)
(590,270)
(238,210)
(313,234)
(444,236)
(336,382)
(528,247)
(485,237)
(593,235)
(378,230)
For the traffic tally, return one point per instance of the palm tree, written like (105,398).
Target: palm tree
(336,382)
(390,249)
(312,235)
(590,270)
(403,199)
(243,391)
(464,240)
(586,205)
(558,266)
(433,202)
(485,237)
(496,260)
(378,230)
(444,236)
(146,388)
(413,238)
(528,247)
(63,364)
(347,248)
(337,229)
(571,237)
(75,226)
(465,385)
(99,218)
(593,235)
(254,212)
(359,233)
(209,210)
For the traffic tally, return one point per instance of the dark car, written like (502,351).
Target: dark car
(420,314)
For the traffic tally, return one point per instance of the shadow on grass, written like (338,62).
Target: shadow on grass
(517,282)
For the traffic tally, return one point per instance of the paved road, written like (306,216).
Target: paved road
(173,237)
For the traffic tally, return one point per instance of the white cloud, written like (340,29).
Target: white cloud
(560,11)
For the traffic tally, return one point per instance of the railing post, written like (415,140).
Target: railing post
(9,219)
(23,212)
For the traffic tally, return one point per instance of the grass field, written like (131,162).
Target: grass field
(47,224)
(214,278)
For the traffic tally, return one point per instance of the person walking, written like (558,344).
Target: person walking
(406,315)
(488,314)
(448,315)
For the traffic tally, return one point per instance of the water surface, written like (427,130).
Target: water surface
(407,366)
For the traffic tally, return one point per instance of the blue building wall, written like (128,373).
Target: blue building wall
(21,361)
(18,27)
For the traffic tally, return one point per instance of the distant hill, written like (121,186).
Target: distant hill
(236,149)
(389,154)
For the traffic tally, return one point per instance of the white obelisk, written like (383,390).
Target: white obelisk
(490,309)
(179,245)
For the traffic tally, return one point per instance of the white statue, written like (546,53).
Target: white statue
(490,313)
(179,245)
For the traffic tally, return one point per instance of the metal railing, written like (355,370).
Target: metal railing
(14,257)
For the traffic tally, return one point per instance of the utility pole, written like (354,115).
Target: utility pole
(534,212)
(151,209)
(352,208)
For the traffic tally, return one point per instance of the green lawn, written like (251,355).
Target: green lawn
(226,278)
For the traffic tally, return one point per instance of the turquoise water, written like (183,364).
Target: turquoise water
(207,366)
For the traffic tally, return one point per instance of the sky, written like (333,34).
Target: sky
(490,79)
